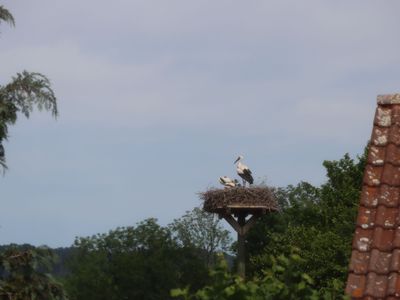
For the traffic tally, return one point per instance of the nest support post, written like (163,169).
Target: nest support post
(241,226)
(240,207)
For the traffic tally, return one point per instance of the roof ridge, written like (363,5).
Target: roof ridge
(388,99)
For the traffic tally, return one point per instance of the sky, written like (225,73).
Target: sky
(158,98)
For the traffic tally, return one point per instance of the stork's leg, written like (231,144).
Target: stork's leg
(244,183)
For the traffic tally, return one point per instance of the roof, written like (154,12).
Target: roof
(374,271)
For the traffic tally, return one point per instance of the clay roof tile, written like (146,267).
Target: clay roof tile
(395,261)
(394,135)
(394,285)
(379,261)
(383,239)
(376,155)
(356,285)
(386,216)
(359,262)
(380,136)
(395,114)
(376,285)
(369,196)
(389,196)
(393,154)
(390,176)
(396,238)
(366,217)
(362,239)
(372,175)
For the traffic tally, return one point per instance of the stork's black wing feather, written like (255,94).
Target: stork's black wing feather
(247,176)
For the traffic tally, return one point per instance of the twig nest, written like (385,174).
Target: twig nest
(243,198)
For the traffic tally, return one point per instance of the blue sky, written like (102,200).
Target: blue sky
(157,99)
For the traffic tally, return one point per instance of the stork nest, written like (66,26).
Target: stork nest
(217,199)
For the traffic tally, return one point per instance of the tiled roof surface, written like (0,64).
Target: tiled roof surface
(375,260)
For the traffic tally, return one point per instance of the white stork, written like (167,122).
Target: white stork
(228,182)
(243,171)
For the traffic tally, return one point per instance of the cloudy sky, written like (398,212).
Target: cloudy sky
(157,98)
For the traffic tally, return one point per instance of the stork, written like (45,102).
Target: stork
(228,182)
(243,171)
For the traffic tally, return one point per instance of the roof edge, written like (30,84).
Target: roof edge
(388,99)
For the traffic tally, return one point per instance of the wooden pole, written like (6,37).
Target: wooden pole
(241,267)
(241,226)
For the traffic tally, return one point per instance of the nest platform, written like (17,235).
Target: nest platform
(239,200)
(235,205)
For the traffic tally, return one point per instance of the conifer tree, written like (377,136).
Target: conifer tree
(22,94)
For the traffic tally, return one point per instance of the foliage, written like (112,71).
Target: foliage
(6,16)
(282,280)
(142,262)
(25,275)
(25,91)
(317,220)
(201,230)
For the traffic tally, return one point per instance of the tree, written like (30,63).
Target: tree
(281,281)
(320,221)
(201,230)
(142,262)
(26,91)
(6,16)
(25,275)
(24,272)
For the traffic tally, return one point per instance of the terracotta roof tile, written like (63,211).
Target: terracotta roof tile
(374,270)
(395,261)
(396,114)
(394,285)
(379,261)
(393,154)
(383,116)
(369,196)
(366,217)
(396,239)
(363,239)
(376,155)
(390,176)
(356,285)
(380,136)
(376,285)
(394,135)
(359,262)
(389,196)
(383,239)
(372,175)
(386,216)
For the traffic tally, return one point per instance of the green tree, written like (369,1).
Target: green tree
(201,230)
(26,91)
(142,262)
(283,280)
(320,221)
(6,16)
(25,274)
